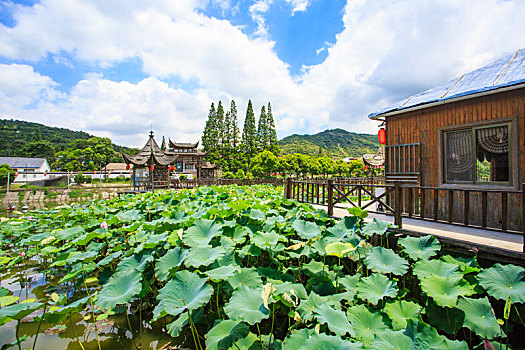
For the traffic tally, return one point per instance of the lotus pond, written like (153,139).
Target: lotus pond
(237,268)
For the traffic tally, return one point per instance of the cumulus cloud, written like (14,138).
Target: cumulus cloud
(387,51)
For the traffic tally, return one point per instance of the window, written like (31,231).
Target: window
(477,155)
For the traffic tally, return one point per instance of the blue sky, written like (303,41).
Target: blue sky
(114,68)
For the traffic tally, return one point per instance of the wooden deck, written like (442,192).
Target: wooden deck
(490,245)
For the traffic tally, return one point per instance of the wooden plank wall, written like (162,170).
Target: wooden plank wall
(423,125)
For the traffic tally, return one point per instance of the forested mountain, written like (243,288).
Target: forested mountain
(334,143)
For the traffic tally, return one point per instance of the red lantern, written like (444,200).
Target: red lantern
(16,173)
(381,135)
(151,167)
(70,173)
(128,166)
(45,173)
(95,172)
(109,172)
(172,168)
(365,168)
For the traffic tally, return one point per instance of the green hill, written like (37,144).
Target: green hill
(336,143)
(17,135)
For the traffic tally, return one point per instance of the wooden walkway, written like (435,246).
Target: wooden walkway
(491,245)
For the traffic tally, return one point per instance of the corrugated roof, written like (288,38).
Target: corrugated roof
(21,162)
(504,72)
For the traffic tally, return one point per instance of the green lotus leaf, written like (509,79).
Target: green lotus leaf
(239,234)
(108,259)
(257,215)
(120,289)
(246,277)
(425,268)
(59,314)
(347,224)
(186,291)
(479,317)
(222,273)
(358,212)
(335,319)
(17,311)
(425,337)
(239,205)
(246,304)
(182,320)
(339,249)
(314,267)
(446,319)
(35,239)
(350,282)
(154,240)
(400,311)
(70,233)
(503,282)
(296,339)
(169,263)
(365,323)
(375,227)
(296,289)
(445,290)
(202,232)
(246,342)
(417,248)
(136,262)
(466,265)
(391,340)
(376,287)
(306,229)
(203,255)
(385,260)
(7,300)
(266,240)
(321,341)
(225,333)
(306,307)
(129,215)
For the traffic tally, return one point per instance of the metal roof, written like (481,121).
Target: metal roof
(22,162)
(505,72)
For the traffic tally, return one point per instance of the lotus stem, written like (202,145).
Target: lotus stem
(260,338)
(273,321)
(92,308)
(131,330)
(75,332)
(217,301)
(39,324)
(16,335)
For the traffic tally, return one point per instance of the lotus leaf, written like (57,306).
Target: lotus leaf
(296,289)
(445,290)
(306,307)
(202,232)
(17,311)
(321,341)
(246,304)
(186,291)
(120,289)
(170,262)
(391,340)
(400,311)
(306,229)
(266,240)
(70,233)
(376,287)
(420,247)
(335,319)
(357,212)
(425,337)
(225,333)
(503,282)
(425,268)
(466,265)
(222,273)
(296,339)
(245,277)
(375,227)
(365,323)
(479,317)
(246,342)
(339,249)
(8,300)
(350,282)
(203,255)
(129,215)
(136,262)
(108,259)
(445,319)
(384,260)
(257,215)
(182,320)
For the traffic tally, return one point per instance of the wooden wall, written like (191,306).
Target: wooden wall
(422,126)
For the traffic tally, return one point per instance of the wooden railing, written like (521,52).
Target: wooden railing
(187,183)
(497,210)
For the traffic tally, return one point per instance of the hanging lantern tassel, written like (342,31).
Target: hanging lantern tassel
(128,166)
(381,136)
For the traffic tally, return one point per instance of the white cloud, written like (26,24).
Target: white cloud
(299,5)
(387,51)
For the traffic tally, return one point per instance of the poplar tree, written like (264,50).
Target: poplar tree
(262,131)
(273,143)
(207,137)
(249,134)
(163,144)
(216,149)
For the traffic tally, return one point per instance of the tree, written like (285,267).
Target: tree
(249,134)
(273,143)
(37,149)
(163,144)
(262,131)
(264,163)
(208,129)
(4,170)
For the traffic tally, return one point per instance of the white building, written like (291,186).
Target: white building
(29,169)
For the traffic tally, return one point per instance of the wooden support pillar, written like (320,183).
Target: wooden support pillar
(466,207)
(484,209)
(398,204)
(450,205)
(523,214)
(504,211)
(330,197)
(288,188)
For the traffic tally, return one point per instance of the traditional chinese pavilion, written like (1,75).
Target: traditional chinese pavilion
(190,160)
(151,166)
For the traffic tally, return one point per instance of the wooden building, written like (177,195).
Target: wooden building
(191,161)
(151,166)
(463,143)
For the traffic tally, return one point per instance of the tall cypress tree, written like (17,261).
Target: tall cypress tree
(218,132)
(163,144)
(249,134)
(273,143)
(262,131)
(234,126)
(207,137)
(226,137)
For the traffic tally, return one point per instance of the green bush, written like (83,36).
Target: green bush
(4,170)
(240,174)
(228,175)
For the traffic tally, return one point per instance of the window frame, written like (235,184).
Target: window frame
(473,127)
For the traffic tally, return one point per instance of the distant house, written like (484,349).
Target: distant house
(29,169)
(463,141)
(191,161)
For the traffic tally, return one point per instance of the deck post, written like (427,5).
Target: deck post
(330,197)
(398,209)
(288,188)
(523,214)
